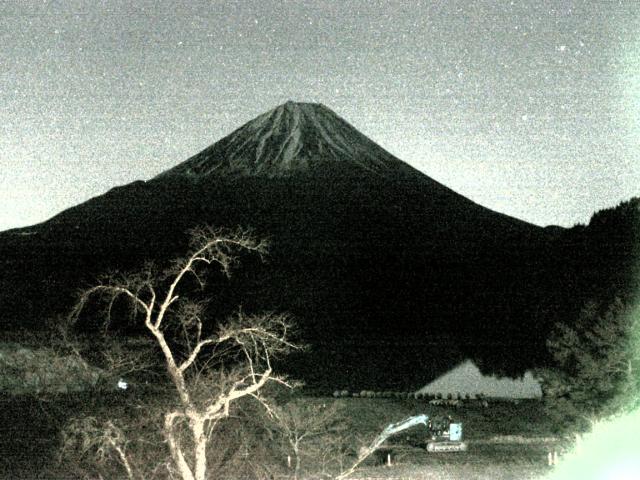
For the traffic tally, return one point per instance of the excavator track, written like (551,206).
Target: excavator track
(446,446)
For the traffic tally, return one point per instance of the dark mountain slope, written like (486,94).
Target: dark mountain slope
(391,275)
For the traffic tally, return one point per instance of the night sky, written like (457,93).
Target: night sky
(529,108)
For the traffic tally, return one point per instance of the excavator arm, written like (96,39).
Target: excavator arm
(394,428)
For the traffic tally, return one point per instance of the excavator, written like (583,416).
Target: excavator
(444,434)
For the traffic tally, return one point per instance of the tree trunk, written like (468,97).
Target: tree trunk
(200,441)
(174,448)
(296,451)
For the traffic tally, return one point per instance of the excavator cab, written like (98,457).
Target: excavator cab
(446,436)
(438,427)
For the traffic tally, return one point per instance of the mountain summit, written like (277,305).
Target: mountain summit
(292,137)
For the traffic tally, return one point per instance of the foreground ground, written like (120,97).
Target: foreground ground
(506,440)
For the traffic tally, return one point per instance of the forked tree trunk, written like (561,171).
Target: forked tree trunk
(196,428)
(296,451)
(200,442)
(174,448)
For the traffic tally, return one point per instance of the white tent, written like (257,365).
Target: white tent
(466,378)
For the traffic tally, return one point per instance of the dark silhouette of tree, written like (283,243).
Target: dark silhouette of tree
(597,365)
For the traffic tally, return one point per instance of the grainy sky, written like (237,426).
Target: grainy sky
(531,108)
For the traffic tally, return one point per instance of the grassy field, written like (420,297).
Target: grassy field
(505,440)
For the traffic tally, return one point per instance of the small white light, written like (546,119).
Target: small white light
(122,384)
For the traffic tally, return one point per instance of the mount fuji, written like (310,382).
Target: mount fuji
(391,276)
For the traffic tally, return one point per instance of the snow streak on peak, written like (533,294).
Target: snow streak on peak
(290,138)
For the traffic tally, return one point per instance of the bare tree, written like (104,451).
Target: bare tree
(101,439)
(308,428)
(209,368)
